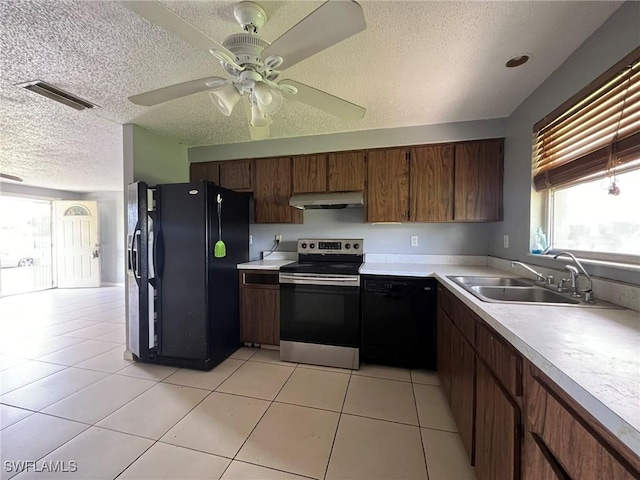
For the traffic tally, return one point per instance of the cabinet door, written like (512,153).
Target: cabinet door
(204,171)
(463,369)
(478,180)
(387,186)
(259,307)
(346,172)
(310,174)
(497,452)
(571,446)
(236,175)
(431,192)
(272,191)
(444,348)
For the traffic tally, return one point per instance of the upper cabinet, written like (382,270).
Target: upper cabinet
(431,189)
(272,190)
(310,174)
(233,174)
(478,180)
(387,185)
(460,182)
(236,175)
(338,172)
(346,172)
(204,171)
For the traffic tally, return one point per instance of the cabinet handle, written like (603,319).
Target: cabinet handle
(556,466)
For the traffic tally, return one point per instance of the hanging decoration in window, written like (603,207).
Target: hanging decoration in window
(77,210)
(613,187)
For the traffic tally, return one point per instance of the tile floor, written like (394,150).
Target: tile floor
(68,396)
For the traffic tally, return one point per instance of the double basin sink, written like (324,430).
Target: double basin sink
(519,290)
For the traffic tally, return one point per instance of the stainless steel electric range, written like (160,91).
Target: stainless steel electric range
(320,304)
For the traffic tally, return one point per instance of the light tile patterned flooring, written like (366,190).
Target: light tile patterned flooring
(67,395)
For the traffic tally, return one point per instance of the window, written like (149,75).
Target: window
(587,219)
(586,162)
(77,210)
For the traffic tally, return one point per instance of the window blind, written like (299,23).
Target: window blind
(576,140)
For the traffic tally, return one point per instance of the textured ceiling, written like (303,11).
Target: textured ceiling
(418,63)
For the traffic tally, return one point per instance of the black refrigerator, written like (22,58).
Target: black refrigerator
(183,301)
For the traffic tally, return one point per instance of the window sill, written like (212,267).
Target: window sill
(630,267)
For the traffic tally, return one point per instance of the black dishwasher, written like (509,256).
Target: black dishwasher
(399,321)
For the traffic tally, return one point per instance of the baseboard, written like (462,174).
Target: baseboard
(111,284)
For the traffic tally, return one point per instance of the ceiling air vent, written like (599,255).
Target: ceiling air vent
(60,96)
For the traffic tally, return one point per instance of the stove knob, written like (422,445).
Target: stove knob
(304,245)
(356,246)
(313,245)
(347,246)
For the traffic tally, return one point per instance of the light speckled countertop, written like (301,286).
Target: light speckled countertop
(264,264)
(591,353)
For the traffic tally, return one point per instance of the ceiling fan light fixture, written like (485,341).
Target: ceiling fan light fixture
(276,100)
(258,117)
(225,98)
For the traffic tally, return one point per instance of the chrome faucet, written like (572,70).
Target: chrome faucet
(539,276)
(588,293)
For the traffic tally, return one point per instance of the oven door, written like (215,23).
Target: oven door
(320,313)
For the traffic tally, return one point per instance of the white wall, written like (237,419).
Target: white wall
(617,37)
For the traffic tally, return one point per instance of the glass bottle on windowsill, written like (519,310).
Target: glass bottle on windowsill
(539,243)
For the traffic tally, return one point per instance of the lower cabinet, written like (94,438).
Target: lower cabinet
(259,307)
(497,452)
(516,423)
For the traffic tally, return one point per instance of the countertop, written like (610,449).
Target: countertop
(264,264)
(591,353)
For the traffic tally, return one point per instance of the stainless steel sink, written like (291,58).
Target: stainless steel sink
(520,290)
(523,294)
(492,281)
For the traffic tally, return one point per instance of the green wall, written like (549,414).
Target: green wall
(158,159)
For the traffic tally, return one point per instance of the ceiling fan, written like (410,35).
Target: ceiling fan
(254,64)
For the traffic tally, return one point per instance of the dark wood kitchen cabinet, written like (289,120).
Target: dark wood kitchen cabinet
(431,187)
(233,174)
(387,185)
(205,171)
(524,425)
(562,440)
(497,445)
(272,191)
(259,307)
(310,174)
(478,180)
(346,172)
(237,175)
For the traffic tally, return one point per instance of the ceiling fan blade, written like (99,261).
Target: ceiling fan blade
(161,95)
(329,24)
(324,101)
(160,15)
(256,133)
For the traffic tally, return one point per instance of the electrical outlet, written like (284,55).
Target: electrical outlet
(506,241)
(250,239)
(278,237)
(414,240)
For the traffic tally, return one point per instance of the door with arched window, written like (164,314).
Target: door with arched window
(77,244)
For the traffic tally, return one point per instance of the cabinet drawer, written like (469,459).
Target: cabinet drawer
(505,364)
(571,446)
(258,279)
(461,316)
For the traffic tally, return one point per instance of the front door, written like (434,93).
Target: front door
(77,243)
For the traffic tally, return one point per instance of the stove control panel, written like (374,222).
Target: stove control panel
(348,246)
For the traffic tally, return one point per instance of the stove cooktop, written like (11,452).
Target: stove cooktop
(326,268)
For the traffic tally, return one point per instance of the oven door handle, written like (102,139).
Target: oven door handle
(329,280)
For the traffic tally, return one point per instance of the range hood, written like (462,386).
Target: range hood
(327,200)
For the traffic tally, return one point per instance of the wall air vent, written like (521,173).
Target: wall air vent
(53,93)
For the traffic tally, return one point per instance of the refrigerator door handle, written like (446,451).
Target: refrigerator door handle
(158,252)
(134,254)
